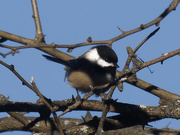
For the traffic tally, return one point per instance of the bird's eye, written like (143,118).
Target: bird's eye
(106,60)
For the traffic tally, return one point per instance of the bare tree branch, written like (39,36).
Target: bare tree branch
(152,112)
(39,33)
(12,69)
(156,21)
(130,115)
(162,58)
(26,41)
(148,37)
(52,109)
(155,90)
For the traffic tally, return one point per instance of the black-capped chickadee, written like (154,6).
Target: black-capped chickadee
(95,67)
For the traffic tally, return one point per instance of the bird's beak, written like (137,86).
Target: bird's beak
(116,65)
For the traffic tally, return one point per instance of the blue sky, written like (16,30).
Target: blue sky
(69,22)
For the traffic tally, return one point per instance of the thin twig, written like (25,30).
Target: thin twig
(162,58)
(156,21)
(11,67)
(26,41)
(105,110)
(39,33)
(11,52)
(149,36)
(102,120)
(130,52)
(38,45)
(48,105)
(36,90)
(78,103)
(171,7)
(86,96)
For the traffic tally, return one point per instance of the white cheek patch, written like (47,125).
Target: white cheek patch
(103,63)
(93,56)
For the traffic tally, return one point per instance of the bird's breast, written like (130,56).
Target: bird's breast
(80,80)
(83,81)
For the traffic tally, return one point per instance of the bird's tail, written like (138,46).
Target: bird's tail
(56,60)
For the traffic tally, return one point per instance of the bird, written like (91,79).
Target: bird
(96,67)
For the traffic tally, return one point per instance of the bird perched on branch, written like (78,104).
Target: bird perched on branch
(95,67)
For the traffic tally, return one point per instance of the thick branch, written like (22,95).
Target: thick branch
(122,108)
(10,124)
(155,90)
(137,130)
(74,126)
